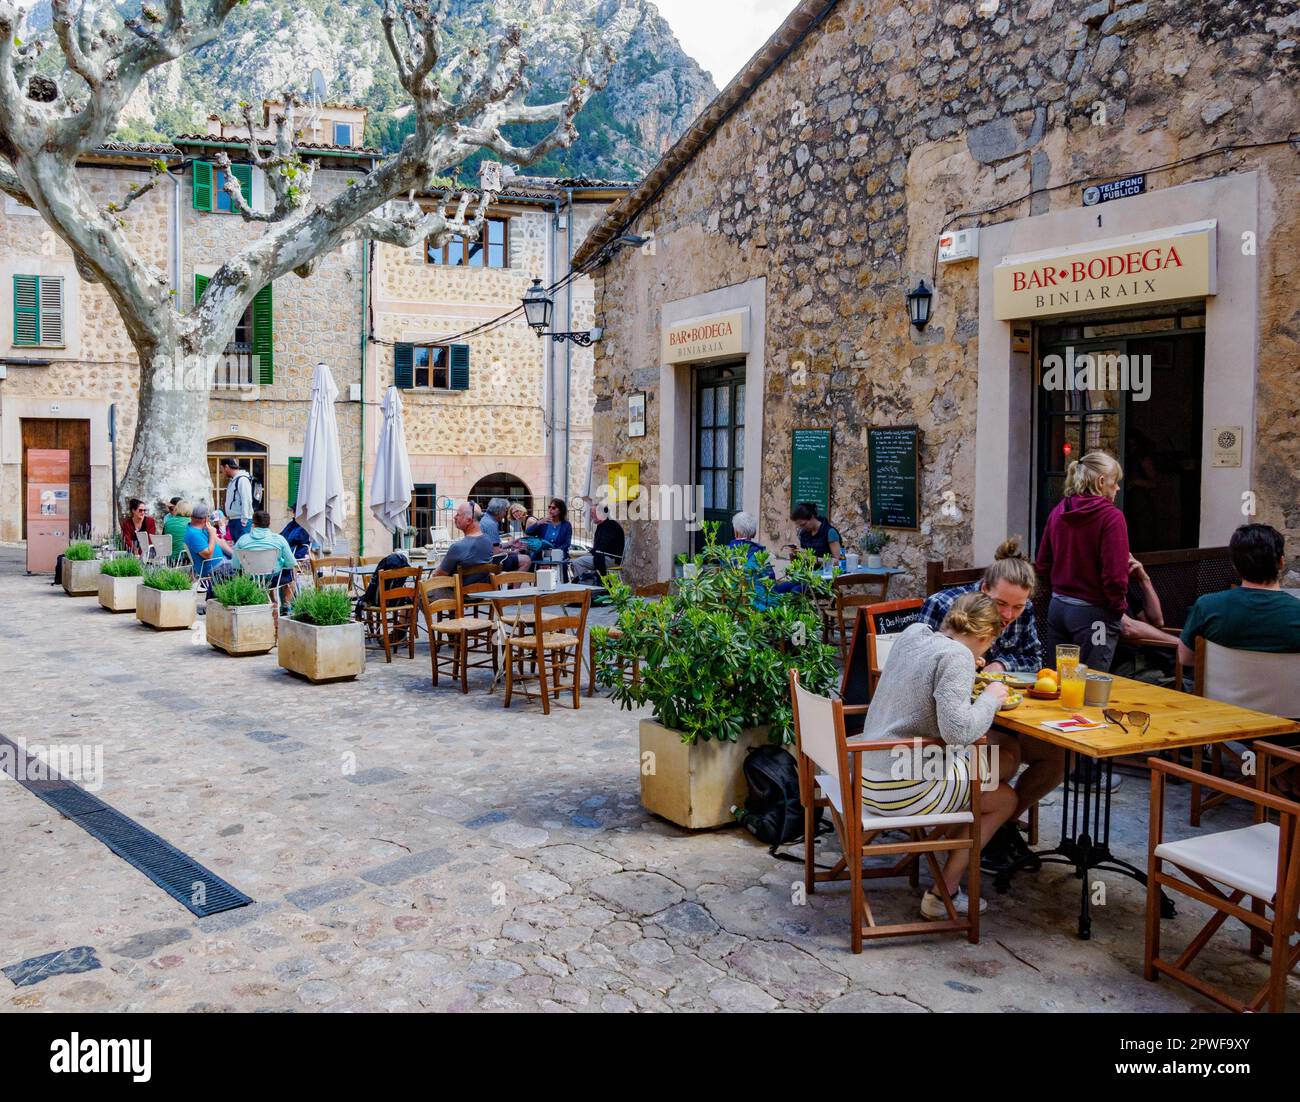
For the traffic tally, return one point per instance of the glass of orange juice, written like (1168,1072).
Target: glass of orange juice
(1067,656)
(1074,683)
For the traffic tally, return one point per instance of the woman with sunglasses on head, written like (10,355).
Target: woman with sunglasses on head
(135,520)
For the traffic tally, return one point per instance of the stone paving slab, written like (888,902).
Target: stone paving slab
(497,860)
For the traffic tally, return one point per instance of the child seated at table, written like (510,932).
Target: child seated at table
(925,692)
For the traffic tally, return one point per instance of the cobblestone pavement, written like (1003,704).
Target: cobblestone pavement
(473,859)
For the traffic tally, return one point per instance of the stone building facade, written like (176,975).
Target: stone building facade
(812,196)
(359,302)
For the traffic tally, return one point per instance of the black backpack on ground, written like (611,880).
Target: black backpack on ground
(773,812)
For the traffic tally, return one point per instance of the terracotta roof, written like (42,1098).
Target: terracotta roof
(163,149)
(312,147)
(798,24)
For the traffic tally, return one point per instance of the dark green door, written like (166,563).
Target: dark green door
(720,444)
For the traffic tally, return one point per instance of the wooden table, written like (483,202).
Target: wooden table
(1177,720)
(502,598)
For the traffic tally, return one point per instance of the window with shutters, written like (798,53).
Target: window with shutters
(209,187)
(342,133)
(491,250)
(295,471)
(254,337)
(431,366)
(38,311)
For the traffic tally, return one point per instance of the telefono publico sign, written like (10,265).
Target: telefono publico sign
(1162,266)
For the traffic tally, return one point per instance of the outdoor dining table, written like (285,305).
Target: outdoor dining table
(1177,720)
(504,597)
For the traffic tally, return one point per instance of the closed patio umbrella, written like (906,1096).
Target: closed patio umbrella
(391,485)
(321,507)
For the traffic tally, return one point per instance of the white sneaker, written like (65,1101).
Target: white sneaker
(932,906)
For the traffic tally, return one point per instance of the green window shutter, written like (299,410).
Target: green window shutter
(27,309)
(244,174)
(459,363)
(200,285)
(264,335)
(403,366)
(202,185)
(295,470)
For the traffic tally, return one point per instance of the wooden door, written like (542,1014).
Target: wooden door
(74,437)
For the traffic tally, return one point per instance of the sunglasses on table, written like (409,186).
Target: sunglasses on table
(1114,715)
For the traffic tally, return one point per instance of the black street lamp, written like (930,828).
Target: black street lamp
(918,305)
(538,306)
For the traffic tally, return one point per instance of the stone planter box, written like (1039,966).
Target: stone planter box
(118,594)
(81,579)
(166,609)
(245,629)
(694,785)
(335,653)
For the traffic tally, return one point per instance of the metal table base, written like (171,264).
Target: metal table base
(1085,837)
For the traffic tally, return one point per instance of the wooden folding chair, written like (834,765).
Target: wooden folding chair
(1258,680)
(443,622)
(326,571)
(554,653)
(397,607)
(1259,862)
(830,763)
(849,593)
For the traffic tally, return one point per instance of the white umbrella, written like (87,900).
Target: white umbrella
(321,507)
(391,484)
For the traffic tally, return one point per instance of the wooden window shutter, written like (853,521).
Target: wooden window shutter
(264,335)
(244,174)
(458,375)
(202,185)
(295,471)
(27,309)
(51,312)
(403,366)
(200,285)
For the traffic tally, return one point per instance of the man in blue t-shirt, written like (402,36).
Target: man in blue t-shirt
(209,553)
(1256,615)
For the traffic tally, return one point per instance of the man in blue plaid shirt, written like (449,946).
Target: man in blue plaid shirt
(1017,648)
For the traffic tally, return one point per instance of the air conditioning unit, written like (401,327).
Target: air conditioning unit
(959,245)
(354,392)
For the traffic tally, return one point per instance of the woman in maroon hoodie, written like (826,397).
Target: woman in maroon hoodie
(1084,553)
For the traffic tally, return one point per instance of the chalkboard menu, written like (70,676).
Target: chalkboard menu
(893,457)
(810,468)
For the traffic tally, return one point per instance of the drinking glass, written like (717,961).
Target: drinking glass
(1074,684)
(1067,655)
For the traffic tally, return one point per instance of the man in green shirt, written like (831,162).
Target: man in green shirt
(261,538)
(1256,615)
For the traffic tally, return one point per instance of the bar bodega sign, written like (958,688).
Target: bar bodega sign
(1163,266)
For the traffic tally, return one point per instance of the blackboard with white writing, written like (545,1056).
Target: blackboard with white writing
(893,459)
(810,468)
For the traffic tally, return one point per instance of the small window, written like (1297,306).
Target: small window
(430,365)
(38,311)
(342,133)
(491,250)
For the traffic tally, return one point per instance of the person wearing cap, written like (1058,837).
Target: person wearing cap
(210,554)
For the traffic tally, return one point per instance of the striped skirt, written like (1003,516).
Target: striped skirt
(934,796)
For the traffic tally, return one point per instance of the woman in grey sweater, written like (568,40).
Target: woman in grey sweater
(925,692)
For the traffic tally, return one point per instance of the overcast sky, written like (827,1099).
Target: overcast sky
(723,34)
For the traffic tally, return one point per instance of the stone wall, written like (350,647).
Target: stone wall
(834,180)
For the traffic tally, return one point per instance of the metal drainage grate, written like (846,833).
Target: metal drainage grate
(202,892)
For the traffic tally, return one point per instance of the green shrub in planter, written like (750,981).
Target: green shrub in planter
(322,607)
(80,551)
(125,566)
(167,578)
(238,591)
(714,655)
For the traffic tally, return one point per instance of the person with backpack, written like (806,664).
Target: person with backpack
(241,499)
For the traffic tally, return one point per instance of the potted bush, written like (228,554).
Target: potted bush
(165,599)
(239,617)
(321,641)
(80,569)
(119,579)
(712,661)
(874,542)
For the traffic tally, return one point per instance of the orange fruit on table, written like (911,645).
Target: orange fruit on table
(1050,674)
(1046,685)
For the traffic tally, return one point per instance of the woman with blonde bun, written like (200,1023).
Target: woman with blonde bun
(1085,555)
(925,692)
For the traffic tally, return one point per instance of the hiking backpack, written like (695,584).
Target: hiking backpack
(773,813)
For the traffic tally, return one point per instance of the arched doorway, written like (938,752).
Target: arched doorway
(501,484)
(249,454)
